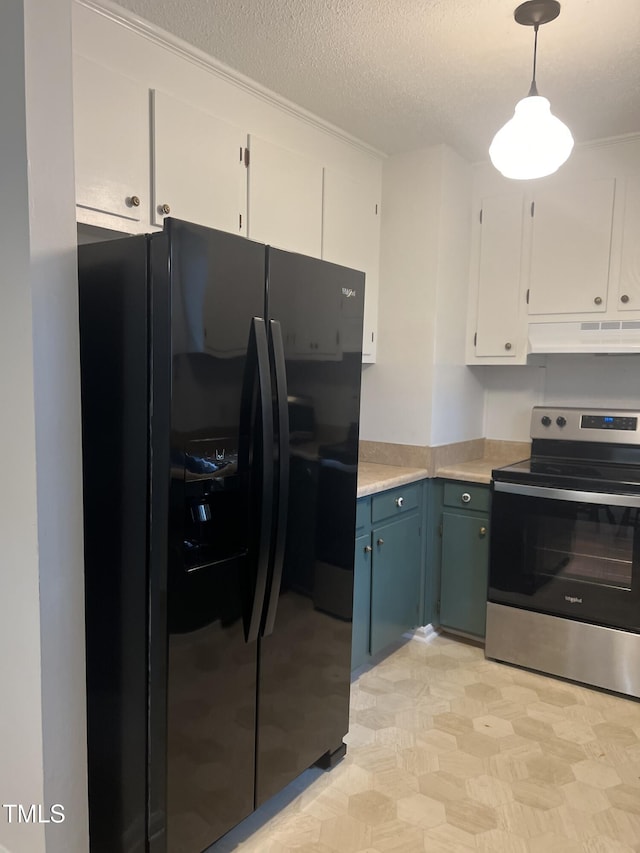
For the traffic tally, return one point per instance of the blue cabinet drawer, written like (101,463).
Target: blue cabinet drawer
(395,501)
(467,496)
(363,513)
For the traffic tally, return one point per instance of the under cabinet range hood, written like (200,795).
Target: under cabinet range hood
(606,336)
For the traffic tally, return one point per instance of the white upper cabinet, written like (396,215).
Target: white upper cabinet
(111,127)
(284,198)
(495,330)
(168,134)
(351,237)
(625,266)
(570,248)
(198,167)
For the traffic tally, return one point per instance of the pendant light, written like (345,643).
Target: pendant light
(534,143)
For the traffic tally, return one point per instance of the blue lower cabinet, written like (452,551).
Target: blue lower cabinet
(388,568)
(395,581)
(360,642)
(465,563)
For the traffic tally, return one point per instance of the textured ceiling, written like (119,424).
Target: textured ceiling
(403,74)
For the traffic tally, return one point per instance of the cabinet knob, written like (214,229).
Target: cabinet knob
(598,300)
(134,201)
(380,541)
(466,497)
(164,209)
(483,531)
(507,346)
(368,549)
(624,298)
(399,501)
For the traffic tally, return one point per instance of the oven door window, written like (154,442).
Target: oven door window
(587,544)
(567,557)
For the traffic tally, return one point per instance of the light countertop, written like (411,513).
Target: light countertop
(441,461)
(474,471)
(479,470)
(374,477)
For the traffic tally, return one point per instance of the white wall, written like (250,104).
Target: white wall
(420,392)
(570,380)
(21,765)
(42,714)
(396,391)
(457,395)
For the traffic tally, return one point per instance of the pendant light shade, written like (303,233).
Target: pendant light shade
(534,143)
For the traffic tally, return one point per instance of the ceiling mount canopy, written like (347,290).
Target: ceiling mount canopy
(537,12)
(534,143)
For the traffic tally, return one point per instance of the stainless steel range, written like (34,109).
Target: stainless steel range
(564,571)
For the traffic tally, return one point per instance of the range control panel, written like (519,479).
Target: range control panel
(608,422)
(613,426)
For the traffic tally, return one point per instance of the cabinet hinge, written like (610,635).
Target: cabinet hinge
(475,339)
(372,336)
(480,216)
(533,207)
(376,209)
(240,221)
(438,607)
(241,153)
(247,157)
(527,296)
(440,529)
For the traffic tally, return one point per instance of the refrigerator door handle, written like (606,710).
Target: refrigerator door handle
(258,343)
(277,350)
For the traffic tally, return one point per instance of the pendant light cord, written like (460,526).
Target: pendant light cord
(533,91)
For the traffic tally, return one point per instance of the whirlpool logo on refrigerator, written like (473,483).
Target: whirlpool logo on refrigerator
(348,292)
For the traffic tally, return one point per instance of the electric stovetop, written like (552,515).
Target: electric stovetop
(594,450)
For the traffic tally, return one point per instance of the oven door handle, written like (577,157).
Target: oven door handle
(567,495)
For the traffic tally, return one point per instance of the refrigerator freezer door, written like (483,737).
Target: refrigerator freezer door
(304,673)
(113,297)
(217,289)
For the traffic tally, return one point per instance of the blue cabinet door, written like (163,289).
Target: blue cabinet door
(465,563)
(395,580)
(361,601)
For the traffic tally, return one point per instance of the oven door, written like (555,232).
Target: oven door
(564,552)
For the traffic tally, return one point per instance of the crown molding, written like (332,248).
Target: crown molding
(168,41)
(609,140)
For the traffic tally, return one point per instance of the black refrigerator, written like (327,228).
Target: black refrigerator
(220,399)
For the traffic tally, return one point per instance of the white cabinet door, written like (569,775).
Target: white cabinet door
(498,322)
(285,198)
(198,168)
(351,237)
(628,249)
(111,127)
(570,248)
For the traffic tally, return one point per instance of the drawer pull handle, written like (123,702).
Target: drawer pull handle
(624,298)
(483,531)
(368,549)
(380,541)
(133,201)
(598,300)
(466,497)
(399,501)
